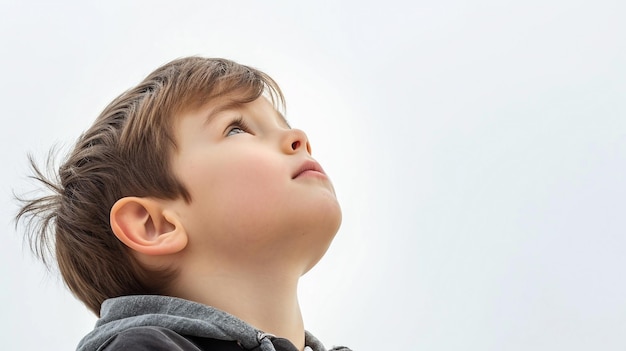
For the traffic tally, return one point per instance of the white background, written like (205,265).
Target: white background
(478,150)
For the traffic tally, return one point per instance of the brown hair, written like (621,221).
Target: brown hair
(126,152)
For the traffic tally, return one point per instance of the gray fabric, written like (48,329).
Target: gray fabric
(182,316)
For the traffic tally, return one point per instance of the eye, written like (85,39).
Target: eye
(237,126)
(235,130)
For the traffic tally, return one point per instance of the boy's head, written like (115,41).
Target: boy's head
(195,162)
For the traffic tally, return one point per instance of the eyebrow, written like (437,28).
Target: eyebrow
(229,106)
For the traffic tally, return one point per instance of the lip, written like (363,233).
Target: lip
(309,166)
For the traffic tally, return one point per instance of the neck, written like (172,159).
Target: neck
(268,303)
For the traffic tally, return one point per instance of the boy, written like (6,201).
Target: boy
(186,214)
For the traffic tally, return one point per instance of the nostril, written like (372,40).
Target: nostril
(295,145)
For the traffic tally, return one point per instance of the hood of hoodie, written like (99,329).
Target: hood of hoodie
(182,316)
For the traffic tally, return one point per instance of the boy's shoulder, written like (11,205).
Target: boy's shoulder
(153,322)
(163,320)
(151,338)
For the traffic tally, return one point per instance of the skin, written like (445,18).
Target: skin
(255,223)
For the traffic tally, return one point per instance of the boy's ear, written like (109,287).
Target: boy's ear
(144,225)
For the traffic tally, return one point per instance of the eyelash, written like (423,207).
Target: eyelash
(238,123)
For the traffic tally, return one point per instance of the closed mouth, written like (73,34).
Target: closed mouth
(309,165)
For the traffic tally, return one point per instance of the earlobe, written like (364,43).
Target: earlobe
(146,226)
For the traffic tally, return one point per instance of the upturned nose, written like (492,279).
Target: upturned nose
(296,140)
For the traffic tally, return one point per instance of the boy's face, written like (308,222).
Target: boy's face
(257,195)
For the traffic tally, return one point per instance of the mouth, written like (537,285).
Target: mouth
(309,167)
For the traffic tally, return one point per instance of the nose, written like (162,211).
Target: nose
(296,140)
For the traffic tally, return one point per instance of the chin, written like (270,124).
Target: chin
(324,236)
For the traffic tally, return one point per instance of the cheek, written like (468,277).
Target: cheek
(236,192)
(250,171)
(247,184)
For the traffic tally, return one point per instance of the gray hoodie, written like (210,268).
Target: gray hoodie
(182,317)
